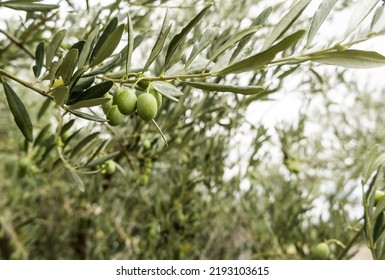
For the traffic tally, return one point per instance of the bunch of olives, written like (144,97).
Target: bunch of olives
(125,102)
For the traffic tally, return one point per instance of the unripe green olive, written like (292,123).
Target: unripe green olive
(157,96)
(321,251)
(110,167)
(126,101)
(146,144)
(147,106)
(107,106)
(378,196)
(114,116)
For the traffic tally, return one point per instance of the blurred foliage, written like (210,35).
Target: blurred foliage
(224,187)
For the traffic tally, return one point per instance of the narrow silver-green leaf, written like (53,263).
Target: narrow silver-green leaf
(29,7)
(379,209)
(60,94)
(234,39)
(85,53)
(178,38)
(89,103)
(102,159)
(53,47)
(19,112)
(83,143)
(167,90)
(378,21)
(369,163)
(319,17)
(39,56)
(130,42)
(86,116)
(67,68)
(362,9)
(244,90)
(261,59)
(109,45)
(207,38)
(260,20)
(285,23)
(111,26)
(75,179)
(350,59)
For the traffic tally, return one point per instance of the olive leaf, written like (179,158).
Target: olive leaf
(67,68)
(53,47)
(83,143)
(350,59)
(260,20)
(109,45)
(234,39)
(178,38)
(130,42)
(244,90)
(362,9)
(39,55)
(159,42)
(166,89)
(85,53)
(60,94)
(207,38)
(93,92)
(28,6)
(75,179)
(102,159)
(111,26)
(261,59)
(319,17)
(86,116)
(19,112)
(89,103)
(283,25)
(53,70)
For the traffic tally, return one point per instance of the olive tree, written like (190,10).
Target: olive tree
(130,111)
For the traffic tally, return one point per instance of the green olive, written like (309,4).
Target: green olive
(157,96)
(146,144)
(110,167)
(107,106)
(321,251)
(147,106)
(114,116)
(126,101)
(378,196)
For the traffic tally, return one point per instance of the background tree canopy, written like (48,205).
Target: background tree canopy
(189,171)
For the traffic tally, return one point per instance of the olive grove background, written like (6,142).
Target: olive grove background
(226,185)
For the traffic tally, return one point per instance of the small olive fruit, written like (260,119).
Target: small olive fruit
(147,106)
(107,106)
(114,117)
(110,167)
(378,196)
(321,251)
(126,101)
(146,144)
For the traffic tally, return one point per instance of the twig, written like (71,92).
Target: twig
(18,43)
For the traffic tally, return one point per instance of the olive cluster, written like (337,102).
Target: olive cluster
(125,102)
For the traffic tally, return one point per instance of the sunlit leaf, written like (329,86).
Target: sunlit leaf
(67,68)
(282,26)
(166,89)
(109,45)
(261,59)
(29,7)
(319,17)
(86,50)
(53,46)
(111,26)
(362,9)
(244,90)
(130,42)
(159,42)
(178,38)
(350,59)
